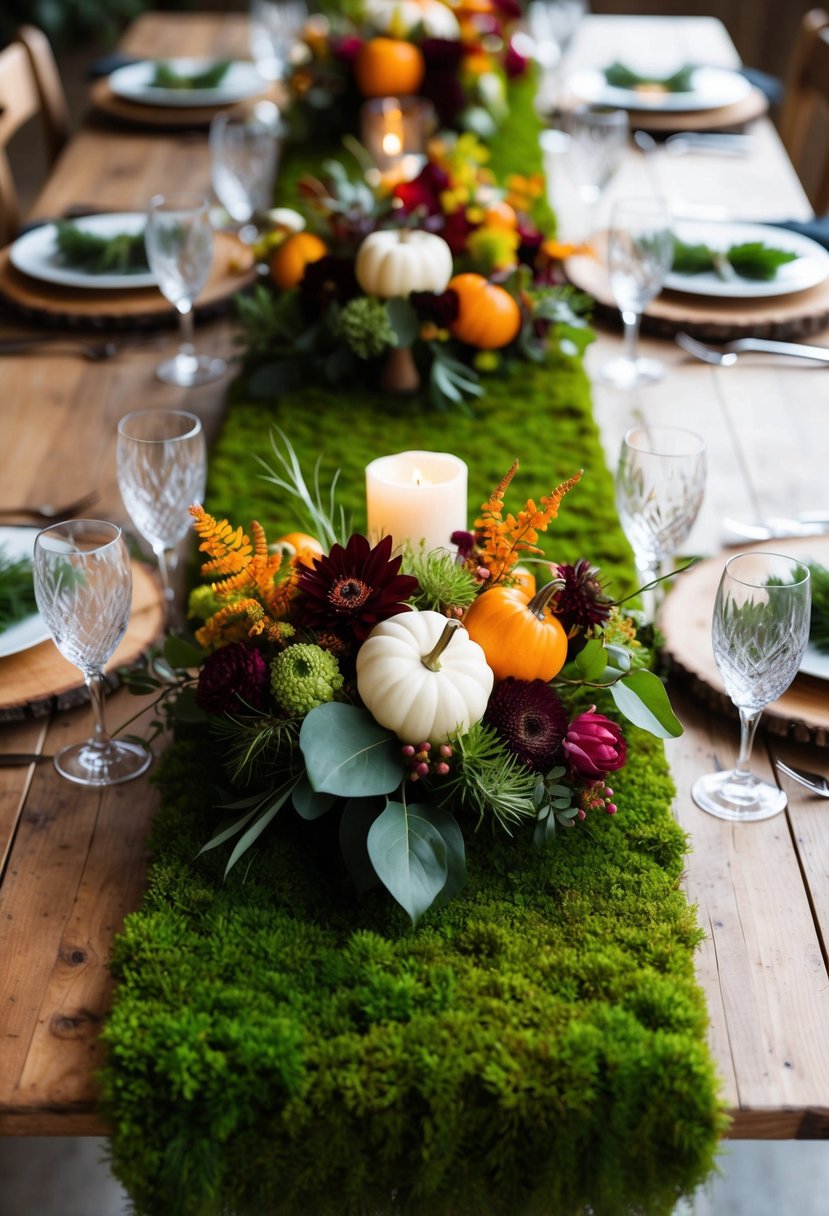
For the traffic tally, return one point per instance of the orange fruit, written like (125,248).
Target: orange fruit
(500,215)
(293,255)
(300,548)
(389,67)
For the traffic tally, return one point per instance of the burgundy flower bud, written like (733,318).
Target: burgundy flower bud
(594,745)
(232,678)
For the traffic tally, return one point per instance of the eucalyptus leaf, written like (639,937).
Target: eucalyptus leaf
(309,804)
(347,753)
(410,855)
(591,660)
(447,825)
(357,817)
(642,698)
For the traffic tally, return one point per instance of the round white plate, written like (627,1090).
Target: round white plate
(134,83)
(815,663)
(31,631)
(36,254)
(810,267)
(711,89)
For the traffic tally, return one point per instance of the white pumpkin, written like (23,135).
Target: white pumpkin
(423,677)
(399,261)
(400,17)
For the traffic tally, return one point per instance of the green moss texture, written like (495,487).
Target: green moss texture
(280,1047)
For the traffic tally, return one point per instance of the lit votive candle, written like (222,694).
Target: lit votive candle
(416,497)
(394,131)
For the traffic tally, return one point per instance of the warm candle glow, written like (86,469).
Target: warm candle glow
(392,144)
(416,498)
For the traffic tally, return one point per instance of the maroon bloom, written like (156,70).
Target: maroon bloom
(594,745)
(530,719)
(329,279)
(581,603)
(423,191)
(441,309)
(346,49)
(353,588)
(515,64)
(232,678)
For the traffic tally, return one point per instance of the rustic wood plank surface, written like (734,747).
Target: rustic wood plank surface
(74,861)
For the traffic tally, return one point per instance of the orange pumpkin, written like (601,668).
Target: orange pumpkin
(389,67)
(300,548)
(293,255)
(525,579)
(519,635)
(488,317)
(501,215)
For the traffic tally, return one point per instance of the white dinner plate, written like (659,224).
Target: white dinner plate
(36,253)
(815,663)
(134,83)
(711,89)
(809,268)
(31,631)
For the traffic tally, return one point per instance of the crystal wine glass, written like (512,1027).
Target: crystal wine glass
(179,241)
(598,136)
(660,480)
(162,469)
(639,254)
(275,25)
(244,153)
(552,24)
(83,587)
(760,630)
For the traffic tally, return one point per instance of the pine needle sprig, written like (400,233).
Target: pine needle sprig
(17,593)
(442,581)
(819,630)
(318,512)
(489,780)
(256,747)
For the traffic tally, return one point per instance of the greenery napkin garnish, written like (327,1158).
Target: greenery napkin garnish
(819,630)
(121,253)
(17,592)
(750,260)
(166,77)
(622,77)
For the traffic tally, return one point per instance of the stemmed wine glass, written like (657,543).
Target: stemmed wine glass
(552,24)
(660,481)
(162,469)
(179,241)
(760,630)
(275,25)
(83,587)
(639,255)
(244,153)
(598,136)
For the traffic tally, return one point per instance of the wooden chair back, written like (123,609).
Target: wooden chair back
(806,105)
(30,85)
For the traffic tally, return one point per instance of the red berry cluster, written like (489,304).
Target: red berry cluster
(422,763)
(596,797)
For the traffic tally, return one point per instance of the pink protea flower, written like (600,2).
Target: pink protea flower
(233,677)
(594,745)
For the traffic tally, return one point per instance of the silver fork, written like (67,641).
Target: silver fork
(46,513)
(725,356)
(815,782)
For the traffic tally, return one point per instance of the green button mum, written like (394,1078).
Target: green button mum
(303,677)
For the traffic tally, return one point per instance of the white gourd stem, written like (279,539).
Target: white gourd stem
(432,659)
(541,599)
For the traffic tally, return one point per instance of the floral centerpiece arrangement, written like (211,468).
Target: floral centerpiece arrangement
(457,55)
(408,697)
(437,281)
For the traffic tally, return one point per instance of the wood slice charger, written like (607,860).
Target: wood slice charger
(39,679)
(795,315)
(168,117)
(802,713)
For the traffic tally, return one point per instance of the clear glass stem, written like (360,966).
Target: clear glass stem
(631,321)
(748,728)
(186,328)
(167,559)
(94,681)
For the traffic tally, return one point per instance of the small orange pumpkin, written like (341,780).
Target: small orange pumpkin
(519,635)
(501,215)
(525,579)
(293,255)
(488,317)
(300,548)
(387,67)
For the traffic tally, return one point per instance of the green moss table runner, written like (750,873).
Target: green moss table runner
(280,1047)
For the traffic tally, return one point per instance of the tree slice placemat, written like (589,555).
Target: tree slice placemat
(724,118)
(802,713)
(167,117)
(40,679)
(144,306)
(795,315)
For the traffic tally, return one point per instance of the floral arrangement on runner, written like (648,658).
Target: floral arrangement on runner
(457,55)
(437,280)
(420,694)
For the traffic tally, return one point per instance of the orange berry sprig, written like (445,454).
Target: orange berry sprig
(505,539)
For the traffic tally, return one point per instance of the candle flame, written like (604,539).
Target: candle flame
(392,144)
(418,479)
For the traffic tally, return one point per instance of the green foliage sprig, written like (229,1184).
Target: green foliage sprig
(166,76)
(620,76)
(122,253)
(17,593)
(819,629)
(749,260)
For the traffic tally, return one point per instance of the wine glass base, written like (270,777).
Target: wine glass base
(720,795)
(630,373)
(186,370)
(100,764)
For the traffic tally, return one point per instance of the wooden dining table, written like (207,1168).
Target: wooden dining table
(73,861)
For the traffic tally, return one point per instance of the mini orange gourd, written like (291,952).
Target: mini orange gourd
(519,635)
(293,255)
(389,67)
(488,317)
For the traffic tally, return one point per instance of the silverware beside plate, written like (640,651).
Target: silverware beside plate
(807,523)
(17,759)
(816,782)
(727,355)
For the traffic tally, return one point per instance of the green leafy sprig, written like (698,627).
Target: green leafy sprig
(166,76)
(17,593)
(122,253)
(819,629)
(620,76)
(750,260)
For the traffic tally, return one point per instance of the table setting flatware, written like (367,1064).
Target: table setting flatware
(716,143)
(807,523)
(727,355)
(20,759)
(815,782)
(95,352)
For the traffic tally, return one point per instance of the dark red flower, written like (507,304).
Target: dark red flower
(346,49)
(456,230)
(231,679)
(441,309)
(326,280)
(353,588)
(594,745)
(510,9)
(423,191)
(530,719)
(515,64)
(581,603)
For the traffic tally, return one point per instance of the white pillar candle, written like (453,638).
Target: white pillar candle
(416,497)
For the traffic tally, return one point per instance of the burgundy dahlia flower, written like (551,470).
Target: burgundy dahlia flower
(233,677)
(353,588)
(594,745)
(530,719)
